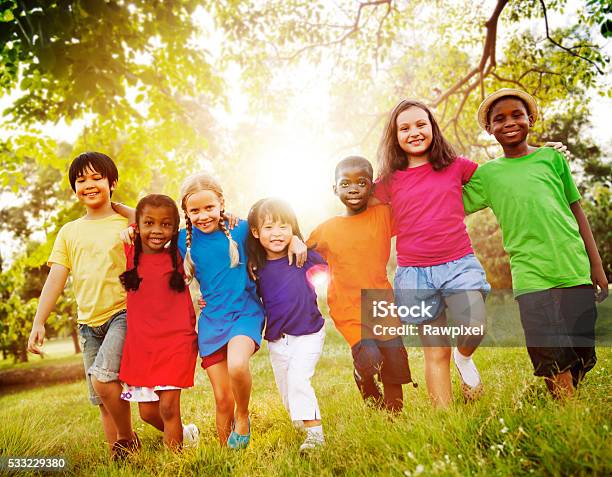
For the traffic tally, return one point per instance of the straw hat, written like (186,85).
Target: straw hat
(484,107)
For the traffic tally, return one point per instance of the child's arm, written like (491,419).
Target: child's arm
(53,288)
(125,211)
(298,249)
(598,275)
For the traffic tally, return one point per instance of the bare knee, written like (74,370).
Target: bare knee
(438,356)
(238,370)
(224,403)
(169,410)
(148,414)
(104,390)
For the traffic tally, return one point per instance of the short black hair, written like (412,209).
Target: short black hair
(355,161)
(510,96)
(97,161)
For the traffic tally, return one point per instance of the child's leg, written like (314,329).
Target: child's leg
(560,385)
(305,352)
(395,372)
(393,397)
(170,412)
(437,375)
(149,413)
(437,365)
(467,309)
(239,351)
(279,359)
(549,340)
(224,399)
(367,362)
(105,374)
(119,410)
(110,431)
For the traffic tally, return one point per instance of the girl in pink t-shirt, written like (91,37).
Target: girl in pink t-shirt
(422,177)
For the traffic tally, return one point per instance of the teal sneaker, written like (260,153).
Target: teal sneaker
(239,441)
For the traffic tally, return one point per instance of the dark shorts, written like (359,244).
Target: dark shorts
(559,326)
(389,359)
(218,356)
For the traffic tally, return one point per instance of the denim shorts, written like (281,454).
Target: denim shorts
(426,287)
(102,348)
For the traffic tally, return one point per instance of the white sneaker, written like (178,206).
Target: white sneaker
(191,435)
(471,385)
(312,441)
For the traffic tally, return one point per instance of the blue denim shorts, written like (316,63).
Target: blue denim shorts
(102,348)
(426,287)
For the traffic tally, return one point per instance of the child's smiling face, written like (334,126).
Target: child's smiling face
(509,121)
(353,187)
(414,131)
(92,189)
(156,227)
(204,210)
(274,236)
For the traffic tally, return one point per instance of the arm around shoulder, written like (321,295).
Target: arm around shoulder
(53,288)
(125,211)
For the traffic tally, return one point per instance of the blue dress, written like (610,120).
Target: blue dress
(232,305)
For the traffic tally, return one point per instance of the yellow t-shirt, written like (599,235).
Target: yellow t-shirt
(93,252)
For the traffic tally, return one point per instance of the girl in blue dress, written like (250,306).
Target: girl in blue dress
(230,325)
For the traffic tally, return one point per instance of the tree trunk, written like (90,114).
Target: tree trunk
(75,340)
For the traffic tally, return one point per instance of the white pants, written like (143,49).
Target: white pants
(294,359)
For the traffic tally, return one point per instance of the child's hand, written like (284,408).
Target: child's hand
(299,249)
(36,339)
(201,302)
(598,276)
(559,146)
(232,220)
(127,235)
(252,269)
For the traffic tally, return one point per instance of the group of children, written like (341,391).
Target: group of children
(148,353)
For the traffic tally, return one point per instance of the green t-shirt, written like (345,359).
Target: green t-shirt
(531,197)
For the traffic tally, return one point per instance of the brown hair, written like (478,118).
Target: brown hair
(191,185)
(391,157)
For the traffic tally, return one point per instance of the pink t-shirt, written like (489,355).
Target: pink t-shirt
(428,212)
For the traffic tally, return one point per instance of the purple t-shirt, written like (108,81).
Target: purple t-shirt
(289,298)
(428,212)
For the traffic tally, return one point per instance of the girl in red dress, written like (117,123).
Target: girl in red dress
(160,350)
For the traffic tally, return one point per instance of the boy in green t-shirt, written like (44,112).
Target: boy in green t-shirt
(90,248)
(555,265)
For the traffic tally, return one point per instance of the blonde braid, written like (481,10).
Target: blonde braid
(188,264)
(234,254)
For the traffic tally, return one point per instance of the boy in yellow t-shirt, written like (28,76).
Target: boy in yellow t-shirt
(356,247)
(90,248)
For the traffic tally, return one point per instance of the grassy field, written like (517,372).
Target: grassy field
(515,429)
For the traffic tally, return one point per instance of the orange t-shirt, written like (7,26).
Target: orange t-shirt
(357,250)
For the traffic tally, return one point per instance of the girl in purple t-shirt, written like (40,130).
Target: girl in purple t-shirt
(294,326)
(422,177)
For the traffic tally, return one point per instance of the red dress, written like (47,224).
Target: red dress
(161,345)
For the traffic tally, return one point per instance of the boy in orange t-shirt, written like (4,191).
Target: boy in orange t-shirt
(356,247)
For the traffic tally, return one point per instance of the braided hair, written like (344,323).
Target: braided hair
(130,278)
(193,184)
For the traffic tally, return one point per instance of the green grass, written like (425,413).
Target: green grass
(515,429)
(56,351)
